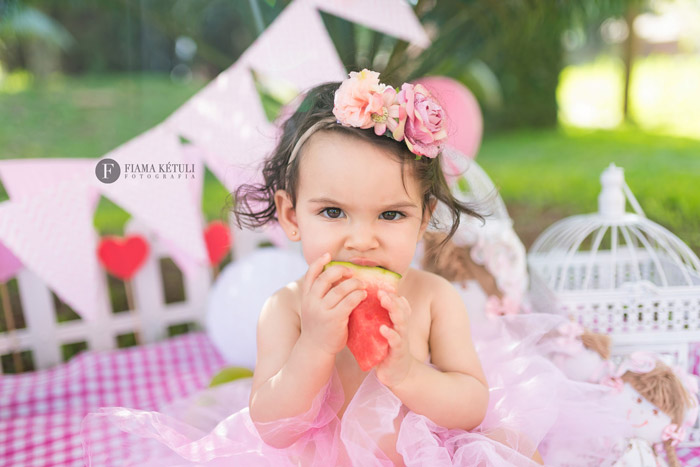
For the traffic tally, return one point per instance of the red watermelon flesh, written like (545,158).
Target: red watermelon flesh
(364,339)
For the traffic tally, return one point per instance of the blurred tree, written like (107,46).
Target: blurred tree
(520,41)
(130,35)
(30,39)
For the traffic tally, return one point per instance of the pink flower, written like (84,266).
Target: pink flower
(424,125)
(357,98)
(389,112)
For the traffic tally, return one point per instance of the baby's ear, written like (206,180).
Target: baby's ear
(287,215)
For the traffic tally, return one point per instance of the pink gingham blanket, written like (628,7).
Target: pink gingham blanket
(41,412)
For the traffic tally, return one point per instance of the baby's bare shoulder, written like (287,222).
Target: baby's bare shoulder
(441,295)
(287,294)
(428,281)
(427,285)
(284,303)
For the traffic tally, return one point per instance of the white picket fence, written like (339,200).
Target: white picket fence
(45,337)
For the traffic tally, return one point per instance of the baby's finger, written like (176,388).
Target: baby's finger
(349,303)
(338,292)
(392,337)
(329,278)
(315,268)
(397,308)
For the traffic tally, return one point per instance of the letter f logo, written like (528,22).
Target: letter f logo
(107,170)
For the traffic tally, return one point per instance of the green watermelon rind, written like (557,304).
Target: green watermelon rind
(368,272)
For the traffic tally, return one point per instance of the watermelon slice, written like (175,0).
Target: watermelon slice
(364,339)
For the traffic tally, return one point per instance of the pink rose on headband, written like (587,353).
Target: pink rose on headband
(424,125)
(357,98)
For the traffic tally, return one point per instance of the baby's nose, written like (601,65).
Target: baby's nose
(361,237)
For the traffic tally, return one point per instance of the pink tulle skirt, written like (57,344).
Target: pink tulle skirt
(532,406)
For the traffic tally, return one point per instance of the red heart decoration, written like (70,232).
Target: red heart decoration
(122,257)
(218,239)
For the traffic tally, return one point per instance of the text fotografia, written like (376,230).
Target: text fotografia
(168,171)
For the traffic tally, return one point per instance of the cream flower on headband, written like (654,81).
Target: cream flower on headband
(358,98)
(412,114)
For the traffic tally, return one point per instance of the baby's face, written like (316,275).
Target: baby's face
(353,203)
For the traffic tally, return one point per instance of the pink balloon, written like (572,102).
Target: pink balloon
(9,264)
(465,124)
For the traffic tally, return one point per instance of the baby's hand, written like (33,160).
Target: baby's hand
(397,364)
(328,298)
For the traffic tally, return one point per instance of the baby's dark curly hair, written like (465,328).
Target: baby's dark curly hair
(254,204)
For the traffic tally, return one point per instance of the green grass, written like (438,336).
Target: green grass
(86,116)
(558,172)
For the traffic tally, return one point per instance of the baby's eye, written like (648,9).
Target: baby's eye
(332,213)
(391,215)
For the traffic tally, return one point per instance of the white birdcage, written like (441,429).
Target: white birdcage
(619,273)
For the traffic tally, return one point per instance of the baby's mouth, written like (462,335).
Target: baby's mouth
(365,262)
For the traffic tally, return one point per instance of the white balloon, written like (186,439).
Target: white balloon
(238,295)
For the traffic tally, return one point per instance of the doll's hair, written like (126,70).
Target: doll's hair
(254,204)
(663,388)
(598,343)
(454,262)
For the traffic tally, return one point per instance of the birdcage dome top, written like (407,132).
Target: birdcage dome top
(613,248)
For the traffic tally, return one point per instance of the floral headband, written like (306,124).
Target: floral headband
(410,114)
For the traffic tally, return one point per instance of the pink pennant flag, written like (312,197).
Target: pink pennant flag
(296,48)
(24,177)
(9,264)
(51,233)
(393,17)
(226,119)
(153,187)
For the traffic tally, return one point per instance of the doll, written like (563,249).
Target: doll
(581,354)
(659,406)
